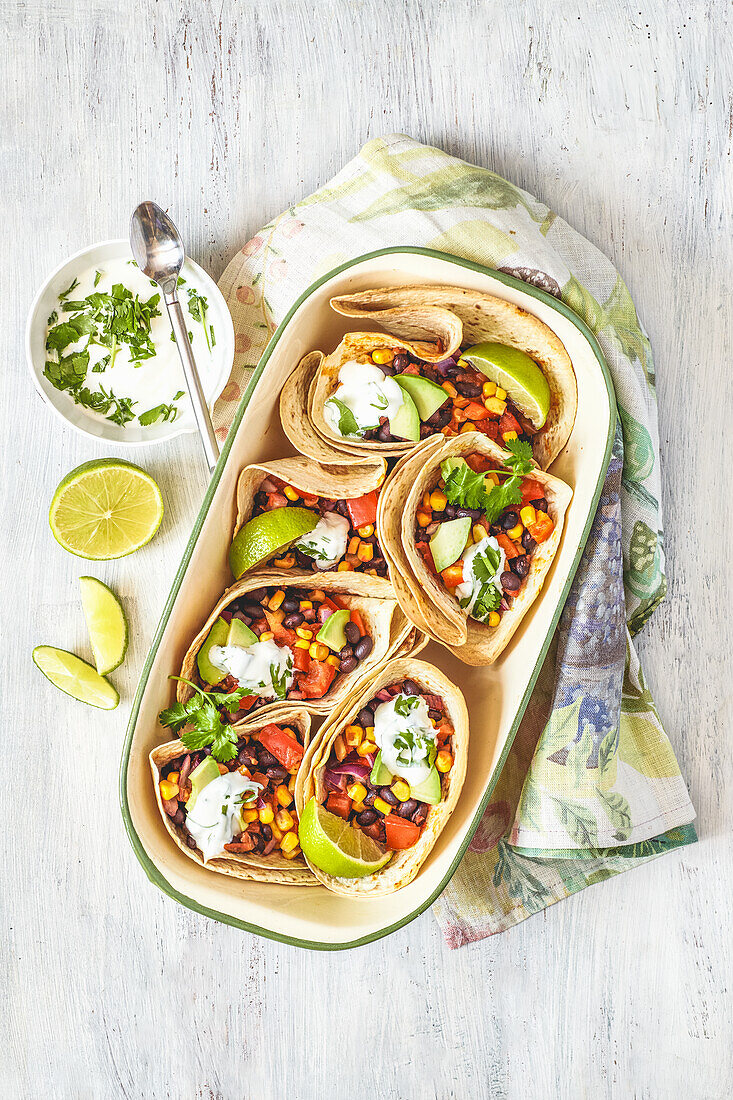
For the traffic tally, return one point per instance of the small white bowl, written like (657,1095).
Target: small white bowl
(214,374)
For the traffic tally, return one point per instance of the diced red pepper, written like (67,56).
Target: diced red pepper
(283,636)
(301,660)
(507,545)
(474,411)
(247,702)
(542,528)
(282,745)
(531,490)
(400,832)
(318,681)
(363,510)
(453,575)
(357,619)
(339,804)
(509,423)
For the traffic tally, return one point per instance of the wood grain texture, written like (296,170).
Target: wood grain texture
(618,115)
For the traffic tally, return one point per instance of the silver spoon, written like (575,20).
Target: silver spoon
(158,251)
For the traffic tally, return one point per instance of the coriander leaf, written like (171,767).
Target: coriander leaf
(522,460)
(69,372)
(486,563)
(60,336)
(52,319)
(97,277)
(463,487)
(223,748)
(213,338)
(197,307)
(196,738)
(178,715)
(347,421)
(67,292)
(404,704)
(181,281)
(503,496)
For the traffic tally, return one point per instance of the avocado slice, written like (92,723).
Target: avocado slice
(332,633)
(240,634)
(381,776)
(200,777)
(405,424)
(429,790)
(427,395)
(218,635)
(449,541)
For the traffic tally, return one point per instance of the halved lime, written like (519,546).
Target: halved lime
(106,624)
(264,535)
(105,509)
(335,847)
(517,373)
(75,677)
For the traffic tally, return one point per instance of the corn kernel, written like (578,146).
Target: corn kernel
(293,852)
(369,733)
(444,761)
(305,605)
(467,427)
(340,748)
(449,388)
(172,777)
(493,477)
(319,595)
(438,500)
(354,545)
(266,636)
(500,394)
(285,563)
(478,532)
(366,532)
(508,436)
(283,795)
(515,532)
(366,747)
(248,816)
(357,792)
(291,493)
(489,389)
(401,790)
(494,618)
(424,518)
(291,781)
(359,807)
(168,790)
(303,632)
(495,406)
(276,832)
(284,819)
(384,355)
(343,567)
(353,735)
(303,643)
(426,499)
(266,814)
(275,601)
(365,552)
(528,514)
(244,770)
(334,662)
(318,651)
(289,842)
(382,806)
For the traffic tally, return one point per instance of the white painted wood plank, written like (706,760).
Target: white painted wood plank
(619,116)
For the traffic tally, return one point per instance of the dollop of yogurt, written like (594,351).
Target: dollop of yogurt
(478,574)
(215,814)
(326,543)
(405,735)
(263,667)
(367,393)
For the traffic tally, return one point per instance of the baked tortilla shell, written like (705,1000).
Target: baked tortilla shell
(405,864)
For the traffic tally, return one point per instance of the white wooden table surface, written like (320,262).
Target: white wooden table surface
(619,116)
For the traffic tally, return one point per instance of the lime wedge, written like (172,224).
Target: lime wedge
(335,847)
(106,624)
(514,371)
(105,509)
(75,677)
(266,534)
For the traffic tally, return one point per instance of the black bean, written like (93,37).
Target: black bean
(304,562)
(254,610)
(388,795)
(363,648)
(520,565)
(179,817)
(474,513)
(257,594)
(468,389)
(191,842)
(259,844)
(450,511)
(277,773)
(400,362)
(510,582)
(266,759)
(540,505)
(374,703)
(365,717)
(409,687)
(292,620)
(528,542)
(367,817)
(247,756)
(435,714)
(407,809)
(290,604)
(509,520)
(349,664)
(371,794)
(346,652)
(266,832)
(386,368)
(207,750)
(351,630)
(384,434)
(420,813)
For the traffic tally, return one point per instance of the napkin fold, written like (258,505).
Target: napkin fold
(591,786)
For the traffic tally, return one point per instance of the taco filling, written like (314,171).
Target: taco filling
(274,644)
(329,534)
(391,765)
(392,396)
(243,805)
(479,527)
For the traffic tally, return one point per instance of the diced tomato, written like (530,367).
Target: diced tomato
(411,368)
(339,804)
(363,510)
(531,490)
(301,660)
(509,423)
(283,636)
(401,833)
(276,500)
(318,681)
(261,778)
(453,575)
(507,545)
(474,411)
(247,702)
(281,745)
(357,619)
(488,427)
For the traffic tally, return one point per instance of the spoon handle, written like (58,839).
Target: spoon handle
(190,370)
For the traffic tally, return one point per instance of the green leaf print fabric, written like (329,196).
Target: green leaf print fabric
(591,786)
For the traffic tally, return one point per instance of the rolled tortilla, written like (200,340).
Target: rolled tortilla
(421,594)
(272,868)
(404,865)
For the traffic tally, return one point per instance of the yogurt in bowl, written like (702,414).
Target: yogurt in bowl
(100,349)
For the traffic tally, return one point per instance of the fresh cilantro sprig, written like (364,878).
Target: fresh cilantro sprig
(489,596)
(201,714)
(161,412)
(198,307)
(404,704)
(466,489)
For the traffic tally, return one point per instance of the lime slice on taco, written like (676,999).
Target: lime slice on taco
(517,373)
(335,847)
(266,534)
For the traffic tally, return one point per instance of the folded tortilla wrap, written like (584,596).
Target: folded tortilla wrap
(405,864)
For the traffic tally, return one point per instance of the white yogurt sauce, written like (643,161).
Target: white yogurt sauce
(405,739)
(326,543)
(369,394)
(253,666)
(215,817)
(472,585)
(150,382)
